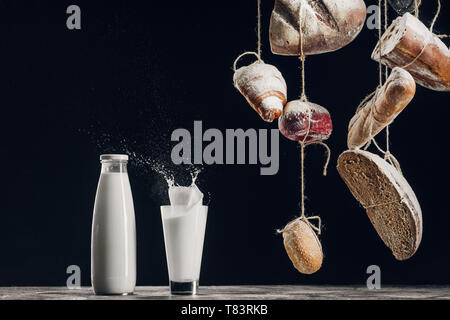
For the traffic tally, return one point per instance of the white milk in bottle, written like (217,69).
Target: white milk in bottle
(113,245)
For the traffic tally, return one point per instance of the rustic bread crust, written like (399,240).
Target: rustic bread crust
(302,246)
(390,203)
(327,25)
(381,110)
(409,44)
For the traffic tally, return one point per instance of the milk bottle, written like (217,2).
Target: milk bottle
(113,245)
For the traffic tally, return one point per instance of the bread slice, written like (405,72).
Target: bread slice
(390,203)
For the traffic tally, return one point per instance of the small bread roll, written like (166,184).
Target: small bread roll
(302,246)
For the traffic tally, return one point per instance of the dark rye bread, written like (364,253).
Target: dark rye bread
(390,203)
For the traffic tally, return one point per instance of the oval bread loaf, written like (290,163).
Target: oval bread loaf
(390,203)
(302,246)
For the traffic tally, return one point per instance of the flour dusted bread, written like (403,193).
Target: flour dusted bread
(408,43)
(390,203)
(302,246)
(327,25)
(381,110)
(264,88)
(304,121)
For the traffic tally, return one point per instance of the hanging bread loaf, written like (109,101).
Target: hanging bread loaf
(327,25)
(302,246)
(304,121)
(390,203)
(264,88)
(381,110)
(408,43)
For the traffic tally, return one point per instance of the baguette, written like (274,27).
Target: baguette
(381,110)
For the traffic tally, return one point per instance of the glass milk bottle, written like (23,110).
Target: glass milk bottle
(113,245)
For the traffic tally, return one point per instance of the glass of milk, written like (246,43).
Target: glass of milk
(184,223)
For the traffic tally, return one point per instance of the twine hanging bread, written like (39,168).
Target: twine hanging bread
(327,25)
(302,246)
(390,203)
(409,44)
(264,88)
(381,110)
(304,121)
(402,6)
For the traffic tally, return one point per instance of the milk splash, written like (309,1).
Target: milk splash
(185,196)
(188,196)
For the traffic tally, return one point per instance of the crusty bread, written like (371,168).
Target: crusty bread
(304,121)
(379,111)
(327,25)
(302,246)
(408,43)
(390,203)
(264,88)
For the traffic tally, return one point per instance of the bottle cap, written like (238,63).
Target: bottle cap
(112,157)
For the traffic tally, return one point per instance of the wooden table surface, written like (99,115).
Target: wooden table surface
(235,293)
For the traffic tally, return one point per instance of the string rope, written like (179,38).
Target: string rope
(417,4)
(302,56)
(259,28)
(382,204)
(245,54)
(385,79)
(380,65)
(258,45)
(388,156)
(385,28)
(304,144)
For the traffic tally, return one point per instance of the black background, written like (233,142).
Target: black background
(140,69)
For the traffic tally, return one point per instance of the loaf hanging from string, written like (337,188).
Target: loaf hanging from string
(304,121)
(326,25)
(409,44)
(302,246)
(264,88)
(381,110)
(402,6)
(390,203)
